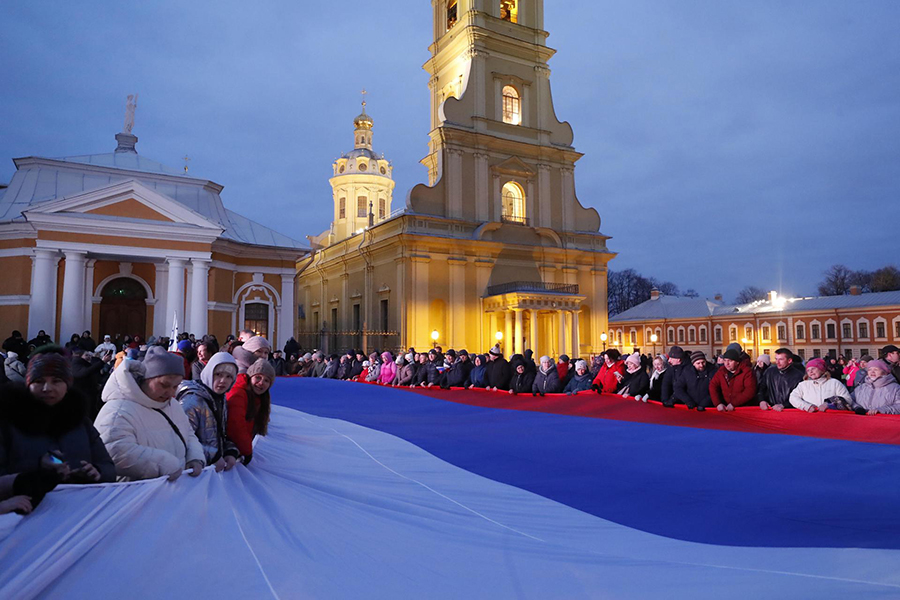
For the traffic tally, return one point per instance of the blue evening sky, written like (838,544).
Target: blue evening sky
(727,143)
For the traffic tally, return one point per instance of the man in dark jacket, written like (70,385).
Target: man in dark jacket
(86,342)
(891,355)
(522,380)
(16,343)
(458,372)
(87,370)
(677,365)
(498,371)
(331,367)
(42,339)
(779,382)
(277,362)
(291,347)
(356,365)
(428,375)
(693,385)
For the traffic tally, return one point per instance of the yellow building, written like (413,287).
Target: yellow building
(497,246)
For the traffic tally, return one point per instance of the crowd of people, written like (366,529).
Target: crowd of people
(127,410)
(731,380)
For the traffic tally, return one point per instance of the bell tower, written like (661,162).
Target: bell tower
(497,152)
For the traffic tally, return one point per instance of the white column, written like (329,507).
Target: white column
(42,307)
(518,346)
(188,304)
(200,297)
(160,288)
(288,309)
(89,299)
(508,340)
(576,340)
(175,295)
(492,334)
(72,320)
(533,333)
(562,332)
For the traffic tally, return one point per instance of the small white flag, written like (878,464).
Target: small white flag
(173,338)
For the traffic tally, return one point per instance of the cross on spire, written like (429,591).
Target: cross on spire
(186,159)
(364,92)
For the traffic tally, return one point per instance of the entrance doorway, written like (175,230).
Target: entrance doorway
(123,309)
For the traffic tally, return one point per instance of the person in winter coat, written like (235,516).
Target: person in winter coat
(388,369)
(14,368)
(16,343)
(87,371)
(41,339)
(692,387)
(879,393)
(291,347)
(145,430)
(546,380)
(428,374)
(204,404)
(277,362)
(611,373)
(679,362)
(660,366)
(780,381)
(457,372)
(406,373)
(203,356)
(48,415)
(331,367)
(581,381)
(734,385)
(818,389)
(477,376)
(562,367)
(763,362)
(248,407)
(636,382)
(522,380)
(498,372)
(890,354)
(345,363)
(356,365)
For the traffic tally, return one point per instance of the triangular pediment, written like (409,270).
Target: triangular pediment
(127,200)
(514,166)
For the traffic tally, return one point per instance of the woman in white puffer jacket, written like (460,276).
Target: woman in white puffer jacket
(812,393)
(145,430)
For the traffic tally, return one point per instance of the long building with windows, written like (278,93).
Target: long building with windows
(497,246)
(850,325)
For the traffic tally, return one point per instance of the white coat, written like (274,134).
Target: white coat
(814,392)
(140,441)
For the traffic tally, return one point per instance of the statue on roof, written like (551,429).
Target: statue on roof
(129,113)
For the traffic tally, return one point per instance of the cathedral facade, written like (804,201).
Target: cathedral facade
(497,247)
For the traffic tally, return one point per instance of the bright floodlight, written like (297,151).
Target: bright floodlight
(434,335)
(499,335)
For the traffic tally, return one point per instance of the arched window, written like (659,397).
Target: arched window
(451,13)
(381,207)
(256,318)
(509,10)
(342,208)
(512,106)
(361,206)
(513,205)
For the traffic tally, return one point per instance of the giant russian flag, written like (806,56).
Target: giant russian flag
(363,491)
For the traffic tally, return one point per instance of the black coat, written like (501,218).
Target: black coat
(87,381)
(636,384)
(19,346)
(546,383)
(457,374)
(779,385)
(291,347)
(521,383)
(693,386)
(670,379)
(428,373)
(498,373)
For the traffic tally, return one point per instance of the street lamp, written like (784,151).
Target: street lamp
(434,338)
(653,339)
(603,338)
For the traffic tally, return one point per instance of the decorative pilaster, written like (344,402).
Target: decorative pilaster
(199,297)
(175,295)
(72,320)
(42,308)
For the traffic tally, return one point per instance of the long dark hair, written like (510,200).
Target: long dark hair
(258,409)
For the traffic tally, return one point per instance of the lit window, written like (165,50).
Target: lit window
(766,332)
(513,205)
(748,333)
(342,213)
(512,106)
(509,10)
(782,332)
(361,203)
(451,14)
(732,334)
(633,337)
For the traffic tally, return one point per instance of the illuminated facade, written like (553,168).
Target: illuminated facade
(497,245)
(850,325)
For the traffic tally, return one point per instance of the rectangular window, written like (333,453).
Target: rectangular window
(509,11)
(633,338)
(692,335)
(829,331)
(832,352)
(356,322)
(703,335)
(767,351)
(864,351)
(362,205)
(451,13)
(670,335)
(897,330)
(748,333)
(334,319)
(718,335)
(848,352)
(342,214)
(681,336)
(880,330)
(782,332)
(801,353)
(315,320)
(863,329)
(801,331)
(766,332)
(381,207)
(384,315)
(817,353)
(847,330)
(814,331)
(256,318)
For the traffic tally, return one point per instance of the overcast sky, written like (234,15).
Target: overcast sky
(727,143)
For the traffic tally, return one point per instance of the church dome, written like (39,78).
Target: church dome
(363,121)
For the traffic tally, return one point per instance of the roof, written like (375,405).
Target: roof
(674,307)
(39,180)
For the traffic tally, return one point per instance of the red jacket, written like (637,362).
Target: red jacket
(606,378)
(736,389)
(238,428)
(562,369)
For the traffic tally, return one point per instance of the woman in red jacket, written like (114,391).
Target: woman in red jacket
(735,385)
(249,406)
(611,373)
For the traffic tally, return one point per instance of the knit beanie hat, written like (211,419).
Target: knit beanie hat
(262,367)
(257,342)
(732,354)
(734,346)
(633,359)
(878,364)
(49,363)
(243,357)
(676,352)
(819,364)
(564,358)
(697,355)
(219,358)
(159,362)
(546,358)
(495,351)
(764,358)
(580,364)
(184,345)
